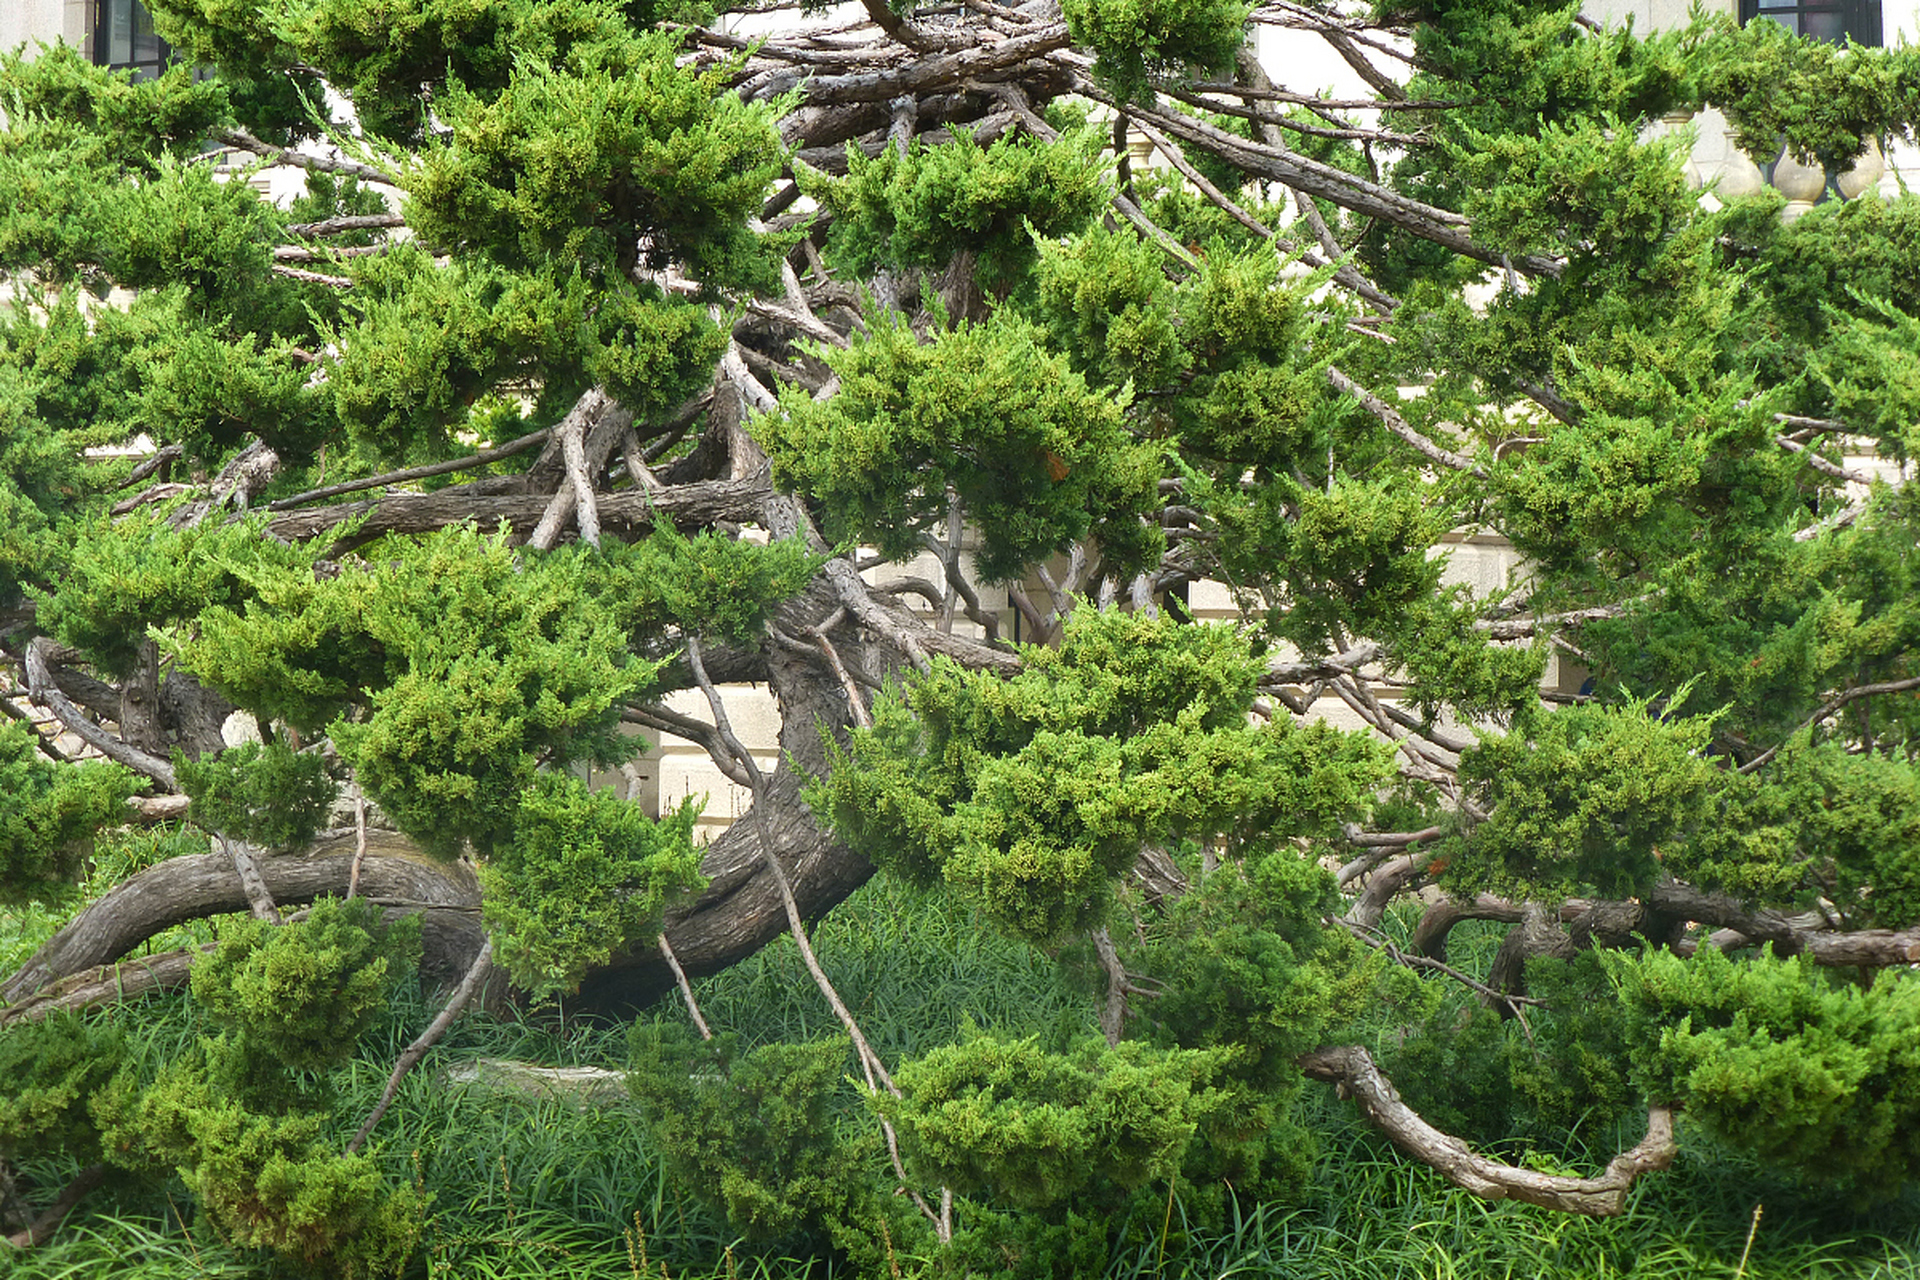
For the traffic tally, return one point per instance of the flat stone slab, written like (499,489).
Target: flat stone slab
(580,1086)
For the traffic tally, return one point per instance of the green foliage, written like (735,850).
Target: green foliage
(304,992)
(1827,102)
(1349,560)
(266,794)
(142,571)
(585,162)
(1583,796)
(1594,189)
(53,1068)
(758,1134)
(52,814)
(1802,1067)
(273,1183)
(710,584)
(584,874)
(40,482)
(1137,39)
(1249,967)
(921,208)
(1107,304)
(1009,1122)
(469,670)
(1823,822)
(1037,459)
(267,1178)
(134,121)
(1028,795)
(421,343)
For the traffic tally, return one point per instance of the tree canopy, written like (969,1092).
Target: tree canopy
(609,349)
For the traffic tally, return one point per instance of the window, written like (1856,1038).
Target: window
(1830,20)
(124,39)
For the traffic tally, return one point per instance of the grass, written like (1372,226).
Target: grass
(536,1188)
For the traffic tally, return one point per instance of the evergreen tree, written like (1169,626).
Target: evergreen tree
(606,350)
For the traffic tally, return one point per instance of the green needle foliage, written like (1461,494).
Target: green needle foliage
(303,993)
(1793,1064)
(1142,828)
(52,815)
(1031,796)
(585,874)
(1040,458)
(264,794)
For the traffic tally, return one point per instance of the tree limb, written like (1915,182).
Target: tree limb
(1351,1068)
(476,975)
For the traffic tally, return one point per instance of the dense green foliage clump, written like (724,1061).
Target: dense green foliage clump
(1031,796)
(51,814)
(756,317)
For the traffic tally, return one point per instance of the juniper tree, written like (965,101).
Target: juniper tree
(607,349)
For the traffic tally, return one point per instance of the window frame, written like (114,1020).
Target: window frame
(1857,20)
(143,68)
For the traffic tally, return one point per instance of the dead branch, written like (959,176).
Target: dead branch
(468,463)
(476,975)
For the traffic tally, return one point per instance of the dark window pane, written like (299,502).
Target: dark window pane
(119,26)
(1824,26)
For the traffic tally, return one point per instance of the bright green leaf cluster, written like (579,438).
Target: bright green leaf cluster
(1009,1122)
(760,1134)
(1802,1067)
(1137,39)
(921,208)
(51,814)
(304,991)
(1037,459)
(471,670)
(585,873)
(615,163)
(1584,796)
(1029,795)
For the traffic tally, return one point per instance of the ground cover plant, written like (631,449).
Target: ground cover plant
(522,1187)
(608,357)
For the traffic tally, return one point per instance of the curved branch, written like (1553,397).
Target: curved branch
(1351,1068)
(1833,705)
(173,892)
(43,690)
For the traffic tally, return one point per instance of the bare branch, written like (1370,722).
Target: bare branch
(1832,705)
(241,140)
(48,1222)
(43,690)
(1392,421)
(469,463)
(252,883)
(346,223)
(686,988)
(1352,1069)
(476,975)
